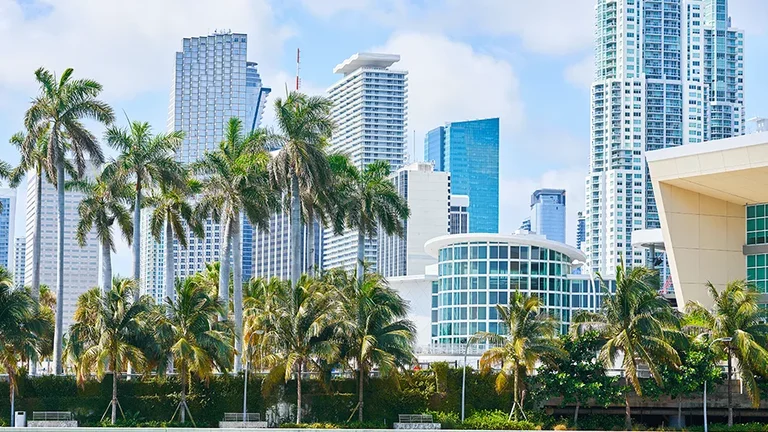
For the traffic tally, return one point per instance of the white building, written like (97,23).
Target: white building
(19,261)
(272,249)
(7,226)
(428,195)
(459,214)
(369,109)
(667,73)
(81,264)
(213,82)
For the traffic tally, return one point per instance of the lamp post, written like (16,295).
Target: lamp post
(464,378)
(245,377)
(727,341)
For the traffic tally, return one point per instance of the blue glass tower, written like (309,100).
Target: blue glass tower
(548,213)
(469,150)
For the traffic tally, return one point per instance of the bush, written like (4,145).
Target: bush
(561,427)
(447,420)
(497,420)
(739,427)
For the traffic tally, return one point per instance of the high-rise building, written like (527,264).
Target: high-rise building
(369,109)
(548,214)
(7,226)
(213,82)
(428,195)
(81,264)
(469,150)
(459,214)
(525,225)
(19,261)
(581,229)
(272,248)
(667,73)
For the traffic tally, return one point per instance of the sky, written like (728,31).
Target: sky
(527,62)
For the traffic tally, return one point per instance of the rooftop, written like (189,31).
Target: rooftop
(518,238)
(359,60)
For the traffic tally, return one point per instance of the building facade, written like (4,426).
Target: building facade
(19,261)
(581,229)
(7,226)
(525,225)
(469,150)
(81,264)
(667,73)
(459,214)
(548,214)
(428,195)
(213,82)
(370,112)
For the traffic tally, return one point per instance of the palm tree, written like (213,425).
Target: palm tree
(104,203)
(300,167)
(529,336)
(737,319)
(199,343)
(637,324)
(20,329)
(118,318)
(367,200)
(373,324)
(295,323)
(235,180)
(59,110)
(172,212)
(208,278)
(148,160)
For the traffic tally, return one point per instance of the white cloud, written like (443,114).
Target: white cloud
(450,81)
(582,73)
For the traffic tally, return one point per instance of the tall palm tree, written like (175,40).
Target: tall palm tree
(59,110)
(235,181)
(304,128)
(104,202)
(20,329)
(635,323)
(368,201)
(295,322)
(118,318)
(529,336)
(148,160)
(83,333)
(735,317)
(373,325)
(172,213)
(199,343)
(208,278)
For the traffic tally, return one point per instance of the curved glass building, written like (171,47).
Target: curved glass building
(476,272)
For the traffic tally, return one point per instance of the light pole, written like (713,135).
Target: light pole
(464,378)
(727,340)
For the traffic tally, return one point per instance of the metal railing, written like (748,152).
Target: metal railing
(238,417)
(415,418)
(52,416)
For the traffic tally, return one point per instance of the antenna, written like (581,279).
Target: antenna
(298,63)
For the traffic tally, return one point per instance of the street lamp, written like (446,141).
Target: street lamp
(727,341)
(464,378)
(588,271)
(245,376)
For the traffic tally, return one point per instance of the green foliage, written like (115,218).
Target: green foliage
(743,427)
(497,420)
(698,364)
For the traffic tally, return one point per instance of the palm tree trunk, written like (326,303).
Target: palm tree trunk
(36,238)
(238,290)
(730,390)
(169,265)
(627,413)
(137,237)
(310,264)
(13,400)
(106,268)
(183,406)
(59,330)
(114,395)
(298,395)
(295,231)
(515,390)
(360,393)
(360,256)
(576,414)
(226,248)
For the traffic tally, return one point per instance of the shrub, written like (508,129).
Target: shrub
(561,427)
(447,420)
(497,420)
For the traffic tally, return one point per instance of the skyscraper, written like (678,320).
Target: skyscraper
(667,73)
(213,82)
(469,150)
(525,225)
(581,229)
(548,214)
(19,261)
(81,264)
(7,226)
(369,109)
(459,214)
(428,195)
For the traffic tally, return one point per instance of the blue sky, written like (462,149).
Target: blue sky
(527,62)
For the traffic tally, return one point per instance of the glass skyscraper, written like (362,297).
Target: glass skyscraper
(548,214)
(469,150)
(7,219)
(581,229)
(667,73)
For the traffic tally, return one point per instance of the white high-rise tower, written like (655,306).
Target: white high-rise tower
(370,112)
(667,73)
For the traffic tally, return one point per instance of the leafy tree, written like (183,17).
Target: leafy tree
(529,336)
(636,323)
(301,168)
(104,203)
(373,324)
(577,377)
(58,111)
(236,180)
(146,160)
(368,201)
(736,318)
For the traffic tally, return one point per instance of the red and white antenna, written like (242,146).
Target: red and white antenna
(298,63)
